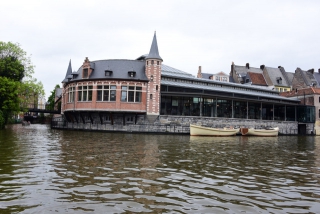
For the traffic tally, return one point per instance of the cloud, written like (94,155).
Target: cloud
(190,33)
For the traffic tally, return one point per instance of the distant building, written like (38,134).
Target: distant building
(221,76)
(308,97)
(305,79)
(273,78)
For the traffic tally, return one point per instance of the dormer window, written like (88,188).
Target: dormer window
(131,73)
(279,80)
(85,73)
(107,73)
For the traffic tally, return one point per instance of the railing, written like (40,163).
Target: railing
(137,128)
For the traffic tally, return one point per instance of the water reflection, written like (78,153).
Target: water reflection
(49,171)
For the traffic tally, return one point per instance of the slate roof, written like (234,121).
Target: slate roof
(243,70)
(317,78)
(290,76)
(274,74)
(119,68)
(58,92)
(206,75)
(228,90)
(187,76)
(304,78)
(170,70)
(154,52)
(68,74)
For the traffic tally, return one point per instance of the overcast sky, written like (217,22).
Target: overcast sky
(211,34)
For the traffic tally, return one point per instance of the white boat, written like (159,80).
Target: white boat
(207,131)
(260,132)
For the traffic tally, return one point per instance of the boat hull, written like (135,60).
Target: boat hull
(207,131)
(260,132)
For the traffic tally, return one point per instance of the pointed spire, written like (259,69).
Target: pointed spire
(69,71)
(154,52)
(68,74)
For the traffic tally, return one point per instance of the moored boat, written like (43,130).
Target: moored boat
(267,132)
(208,131)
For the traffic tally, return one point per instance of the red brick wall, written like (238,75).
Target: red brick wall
(155,71)
(94,105)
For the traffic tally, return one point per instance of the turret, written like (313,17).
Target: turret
(153,72)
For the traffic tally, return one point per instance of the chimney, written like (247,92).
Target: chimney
(311,70)
(247,65)
(262,67)
(199,72)
(279,66)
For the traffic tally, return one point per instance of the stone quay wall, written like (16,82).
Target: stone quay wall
(181,125)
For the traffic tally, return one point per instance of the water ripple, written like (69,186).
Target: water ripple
(50,171)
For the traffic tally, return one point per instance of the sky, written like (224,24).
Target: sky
(207,33)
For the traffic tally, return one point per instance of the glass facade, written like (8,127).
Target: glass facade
(239,109)
(254,110)
(229,108)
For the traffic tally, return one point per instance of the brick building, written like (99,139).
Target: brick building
(113,91)
(144,90)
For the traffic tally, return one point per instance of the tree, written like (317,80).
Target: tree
(17,86)
(16,57)
(10,67)
(9,97)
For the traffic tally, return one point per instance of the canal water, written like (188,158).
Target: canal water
(59,171)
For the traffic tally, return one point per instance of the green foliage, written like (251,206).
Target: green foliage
(52,97)
(17,86)
(15,57)
(9,94)
(10,67)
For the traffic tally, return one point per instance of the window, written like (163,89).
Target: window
(71,92)
(131,73)
(157,62)
(279,80)
(151,78)
(106,92)
(150,96)
(217,78)
(85,73)
(131,93)
(224,79)
(107,73)
(156,87)
(84,93)
(152,62)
